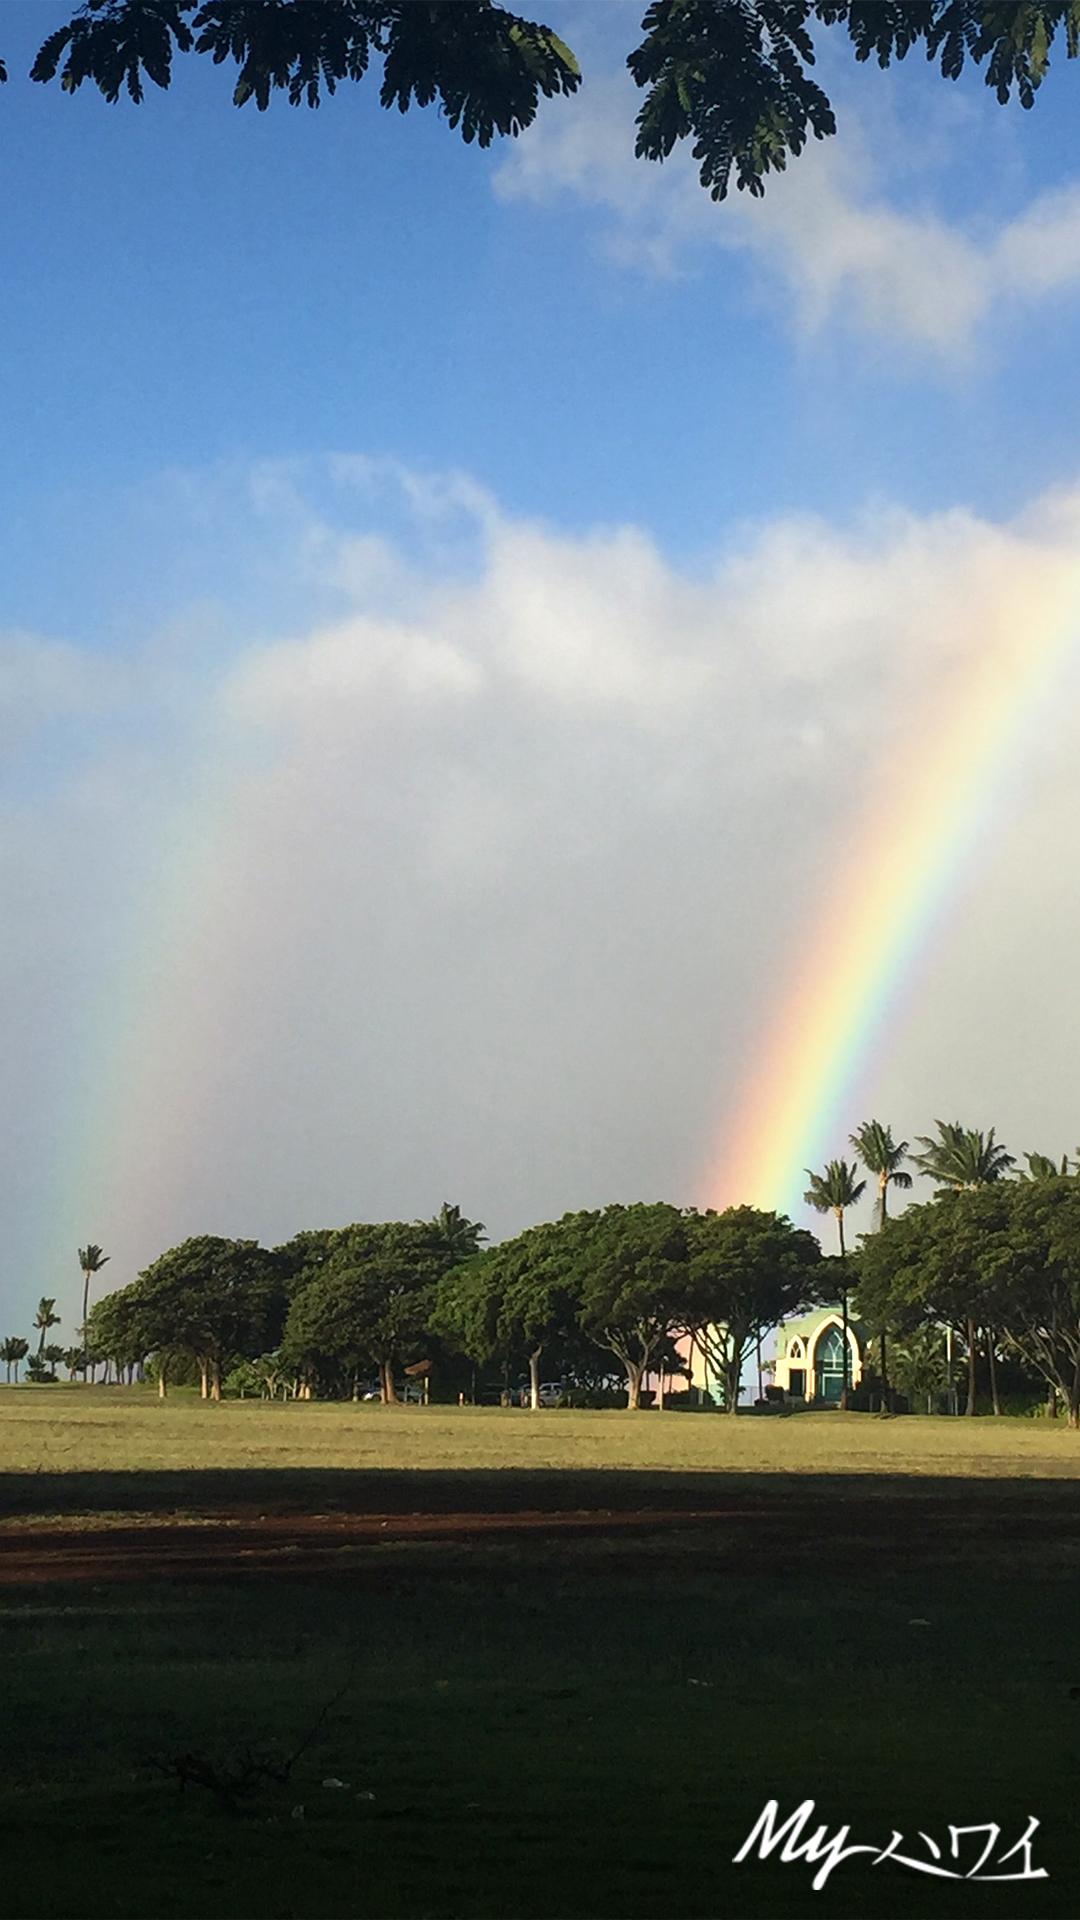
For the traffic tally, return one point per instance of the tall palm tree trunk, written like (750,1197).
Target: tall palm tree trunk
(988,1335)
(970,1408)
(843,1303)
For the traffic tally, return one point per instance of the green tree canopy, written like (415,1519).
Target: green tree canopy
(210,1297)
(1035,1274)
(521,1299)
(935,1261)
(369,1302)
(633,1270)
(748,1271)
(731,76)
(948,1261)
(298,1260)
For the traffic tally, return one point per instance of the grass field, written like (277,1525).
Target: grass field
(103,1430)
(564,1658)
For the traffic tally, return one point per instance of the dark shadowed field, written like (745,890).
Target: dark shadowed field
(275,1688)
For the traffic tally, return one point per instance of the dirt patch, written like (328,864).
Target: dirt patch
(198,1548)
(147,1547)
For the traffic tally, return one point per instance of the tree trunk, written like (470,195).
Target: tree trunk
(847,1355)
(1074,1394)
(534,1379)
(1051,1402)
(162,1379)
(634,1371)
(988,1333)
(885,1407)
(215,1379)
(732,1374)
(204,1378)
(970,1408)
(660,1387)
(386,1383)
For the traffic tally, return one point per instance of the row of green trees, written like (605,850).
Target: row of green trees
(46,1356)
(592,1297)
(608,1293)
(43,1361)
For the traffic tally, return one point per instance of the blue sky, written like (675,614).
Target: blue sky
(294,407)
(197,284)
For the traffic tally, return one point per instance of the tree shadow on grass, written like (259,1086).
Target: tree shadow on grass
(303,1521)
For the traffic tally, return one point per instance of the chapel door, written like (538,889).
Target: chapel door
(829,1365)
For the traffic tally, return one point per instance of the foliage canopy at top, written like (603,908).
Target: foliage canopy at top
(732,76)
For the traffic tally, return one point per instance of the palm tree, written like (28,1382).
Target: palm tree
(883,1155)
(12,1350)
(91,1260)
(1041,1167)
(459,1237)
(959,1159)
(45,1319)
(833,1192)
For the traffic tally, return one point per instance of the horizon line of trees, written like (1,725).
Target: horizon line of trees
(598,1296)
(612,1294)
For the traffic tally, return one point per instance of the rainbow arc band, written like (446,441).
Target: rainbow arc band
(936,803)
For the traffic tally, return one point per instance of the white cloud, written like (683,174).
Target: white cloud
(841,248)
(485,889)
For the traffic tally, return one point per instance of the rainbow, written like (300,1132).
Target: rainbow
(935,803)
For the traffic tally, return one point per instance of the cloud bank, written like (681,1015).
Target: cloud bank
(483,887)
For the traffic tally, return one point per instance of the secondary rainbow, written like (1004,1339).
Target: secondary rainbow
(935,804)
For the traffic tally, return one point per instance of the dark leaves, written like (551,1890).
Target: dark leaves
(486,67)
(730,75)
(295,46)
(114,42)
